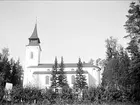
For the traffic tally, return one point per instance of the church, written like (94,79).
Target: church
(39,75)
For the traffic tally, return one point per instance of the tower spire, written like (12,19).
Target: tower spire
(34,40)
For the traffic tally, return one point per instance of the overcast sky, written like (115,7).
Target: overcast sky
(71,29)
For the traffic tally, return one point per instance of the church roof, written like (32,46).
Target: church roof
(67,65)
(49,72)
(34,35)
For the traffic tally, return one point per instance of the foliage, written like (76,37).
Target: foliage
(1,86)
(132,26)
(80,82)
(90,95)
(116,67)
(62,80)
(17,72)
(27,94)
(54,79)
(12,70)
(67,95)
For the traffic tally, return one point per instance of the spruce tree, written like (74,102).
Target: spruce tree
(17,73)
(132,26)
(54,78)
(12,71)
(62,80)
(80,81)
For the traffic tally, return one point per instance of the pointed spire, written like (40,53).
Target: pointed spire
(34,34)
(34,40)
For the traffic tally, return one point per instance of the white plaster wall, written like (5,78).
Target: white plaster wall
(36,56)
(70,69)
(93,76)
(69,80)
(42,81)
(39,80)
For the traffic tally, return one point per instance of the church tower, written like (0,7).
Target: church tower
(33,49)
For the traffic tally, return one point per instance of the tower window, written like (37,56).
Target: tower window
(72,79)
(31,56)
(138,40)
(47,80)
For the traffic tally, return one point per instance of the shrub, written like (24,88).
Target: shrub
(67,95)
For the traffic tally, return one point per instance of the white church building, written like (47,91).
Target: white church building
(39,75)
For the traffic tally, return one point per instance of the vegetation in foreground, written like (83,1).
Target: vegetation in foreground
(120,82)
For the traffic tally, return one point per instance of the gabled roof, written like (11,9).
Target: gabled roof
(67,65)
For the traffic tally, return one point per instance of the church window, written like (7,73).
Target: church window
(138,40)
(47,80)
(31,56)
(72,79)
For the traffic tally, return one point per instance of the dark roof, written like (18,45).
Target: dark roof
(34,35)
(49,72)
(67,65)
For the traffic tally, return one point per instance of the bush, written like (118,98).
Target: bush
(20,94)
(67,95)
(93,95)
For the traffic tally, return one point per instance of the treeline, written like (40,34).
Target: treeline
(122,66)
(10,71)
(68,96)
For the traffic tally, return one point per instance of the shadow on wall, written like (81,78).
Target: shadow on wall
(92,81)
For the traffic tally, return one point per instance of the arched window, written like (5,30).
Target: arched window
(47,80)
(72,79)
(31,56)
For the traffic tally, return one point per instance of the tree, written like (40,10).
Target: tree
(62,80)
(116,66)
(7,73)
(54,79)
(124,63)
(111,45)
(132,26)
(7,69)
(17,73)
(111,62)
(80,82)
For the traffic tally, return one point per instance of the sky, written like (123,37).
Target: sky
(71,29)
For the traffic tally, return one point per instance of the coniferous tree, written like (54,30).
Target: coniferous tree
(80,81)
(54,79)
(17,73)
(7,73)
(62,80)
(132,26)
